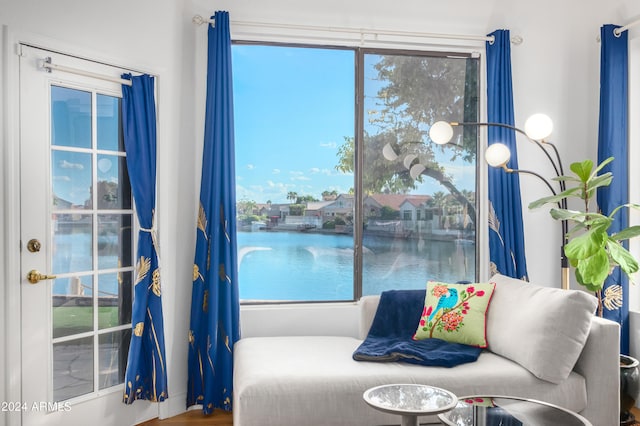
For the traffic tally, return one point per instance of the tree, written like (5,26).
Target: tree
(392,176)
(329,195)
(439,200)
(293,196)
(416,91)
(388,213)
(305,199)
(246,206)
(420,90)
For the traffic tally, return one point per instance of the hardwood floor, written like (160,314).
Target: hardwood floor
(194,417)
(636,413)
(221,418)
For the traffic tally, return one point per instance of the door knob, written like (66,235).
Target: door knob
(34,276)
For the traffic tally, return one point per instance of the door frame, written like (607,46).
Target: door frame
(10,336)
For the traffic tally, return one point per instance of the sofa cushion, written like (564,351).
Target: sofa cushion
(455,313)
(541,328)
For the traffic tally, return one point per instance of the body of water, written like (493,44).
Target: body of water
(308,266)
(73,253)
(300,266)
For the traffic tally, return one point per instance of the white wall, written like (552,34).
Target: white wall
(555,70)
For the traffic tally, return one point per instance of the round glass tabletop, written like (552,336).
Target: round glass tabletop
(410,399)
(501,410)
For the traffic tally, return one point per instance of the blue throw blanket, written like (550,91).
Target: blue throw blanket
(390,336)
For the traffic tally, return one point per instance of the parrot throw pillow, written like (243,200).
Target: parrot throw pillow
(455,313)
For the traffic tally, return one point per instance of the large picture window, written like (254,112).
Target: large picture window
(340,192)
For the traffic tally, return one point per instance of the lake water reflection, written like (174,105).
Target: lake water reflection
(315,266)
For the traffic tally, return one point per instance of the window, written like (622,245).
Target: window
(325,211)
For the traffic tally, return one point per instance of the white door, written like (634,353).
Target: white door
(77,223)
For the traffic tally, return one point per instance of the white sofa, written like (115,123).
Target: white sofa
(311,380)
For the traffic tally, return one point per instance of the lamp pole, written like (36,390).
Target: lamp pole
(537,128)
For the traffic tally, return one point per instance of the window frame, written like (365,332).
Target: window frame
(360,52)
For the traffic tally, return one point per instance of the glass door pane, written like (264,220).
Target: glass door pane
(92,242)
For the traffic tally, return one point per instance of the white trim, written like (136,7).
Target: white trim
(11,210)
(482,224)
(174,405)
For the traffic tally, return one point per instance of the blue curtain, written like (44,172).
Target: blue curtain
(613,142)
(146,375)
(215,306)
(506,233)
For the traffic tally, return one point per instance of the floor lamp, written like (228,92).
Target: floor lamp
(537,128)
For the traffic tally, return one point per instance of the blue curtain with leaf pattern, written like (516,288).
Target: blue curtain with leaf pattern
(506,232)
(215,307)
(146,374)
(613,142)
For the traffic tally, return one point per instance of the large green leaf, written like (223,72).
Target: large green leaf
(595,269)
(622,257)
(627,233)
(599,223)
(585,245)
(601,165)
(566,178)
(629,205)
(602,180)
(589,286)
(582,169)
(553,199)
(562,214)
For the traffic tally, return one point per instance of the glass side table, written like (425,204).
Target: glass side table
(500,410)
(410,401)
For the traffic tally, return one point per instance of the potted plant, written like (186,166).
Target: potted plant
(594,252)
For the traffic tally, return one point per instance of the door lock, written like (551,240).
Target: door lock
(34,245)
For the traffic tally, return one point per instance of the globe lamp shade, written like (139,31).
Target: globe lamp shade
(538,127)
(408,160)
(416,170)
(497,155)
(389,153)
(441,132)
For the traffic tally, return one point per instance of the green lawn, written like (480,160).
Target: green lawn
(78,319)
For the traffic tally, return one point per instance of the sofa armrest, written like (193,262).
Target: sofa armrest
(368,307)
(599,364)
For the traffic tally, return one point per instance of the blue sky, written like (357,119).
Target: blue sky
(293,108)
(281,146)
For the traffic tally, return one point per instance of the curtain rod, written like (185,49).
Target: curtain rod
(617,31)
(199,20)
(46,64)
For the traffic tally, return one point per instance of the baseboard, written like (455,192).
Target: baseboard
(174,405)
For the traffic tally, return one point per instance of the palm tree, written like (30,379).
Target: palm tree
(439,200)
(293,196)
